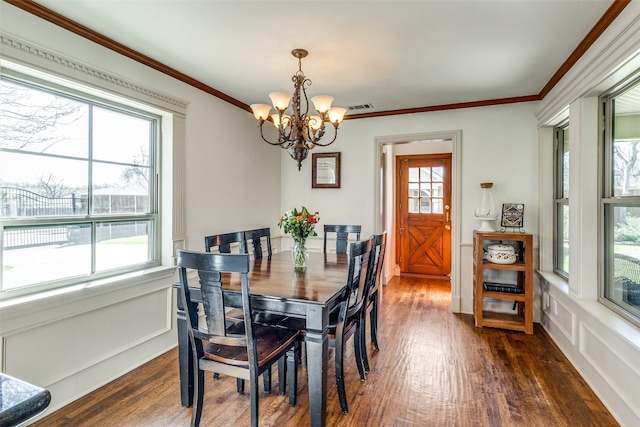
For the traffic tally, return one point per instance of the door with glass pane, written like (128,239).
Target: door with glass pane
(424,214)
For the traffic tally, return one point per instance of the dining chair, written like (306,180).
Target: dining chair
(255,237)
(346,321)
(222,242)
(342,236)
(244,350)
(373,298)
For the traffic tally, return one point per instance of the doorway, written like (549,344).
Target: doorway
(387,149)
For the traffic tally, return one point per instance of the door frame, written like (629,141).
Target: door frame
(382,196)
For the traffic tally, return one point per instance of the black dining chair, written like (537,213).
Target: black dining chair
(346,321)
(256,238)
(373,297)
(246,349)
(222,242)
(342,236)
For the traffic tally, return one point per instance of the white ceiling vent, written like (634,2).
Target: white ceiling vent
(360,107)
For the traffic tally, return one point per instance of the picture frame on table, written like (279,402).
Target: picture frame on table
(512,215)
(325,170)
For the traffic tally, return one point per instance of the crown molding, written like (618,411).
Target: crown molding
(24,53)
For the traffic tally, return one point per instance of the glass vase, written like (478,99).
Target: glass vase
(300,254)
(485,210)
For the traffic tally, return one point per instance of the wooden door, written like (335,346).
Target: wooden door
(423,210)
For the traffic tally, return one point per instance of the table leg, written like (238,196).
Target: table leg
(317,344)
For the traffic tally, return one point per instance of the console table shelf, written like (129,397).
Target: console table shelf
(523,269)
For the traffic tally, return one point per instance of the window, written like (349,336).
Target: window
(426,190)
(78,186)
(561,198)
(621,200)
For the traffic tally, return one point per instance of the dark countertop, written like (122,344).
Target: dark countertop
(20,400)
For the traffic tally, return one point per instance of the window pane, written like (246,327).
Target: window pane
(425,190)
(39,121)
(120,244)
(438,174)
(437,190)
(624,289)
(120,189)
(436,206)
(35,255)
(120,138)
(563,239)
(565,164)
(626,168)
(425,205)
(425,174)
(414,190)
(414,175)
(414,205)
(34,185)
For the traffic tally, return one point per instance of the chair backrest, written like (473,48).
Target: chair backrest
(211,268)
(360,267)
(378,251)
(342,236)
(223,242)
(255,237)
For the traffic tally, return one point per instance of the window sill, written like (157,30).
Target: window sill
(608,318)
(553,279)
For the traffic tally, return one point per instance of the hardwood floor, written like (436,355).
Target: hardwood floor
(434,368)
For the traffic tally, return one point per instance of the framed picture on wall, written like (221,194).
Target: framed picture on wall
(325,170)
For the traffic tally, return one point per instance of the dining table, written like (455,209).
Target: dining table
(277,287)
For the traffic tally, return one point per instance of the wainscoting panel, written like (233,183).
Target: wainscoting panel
(601,346)
(602,353)
(63,348)
(564,318)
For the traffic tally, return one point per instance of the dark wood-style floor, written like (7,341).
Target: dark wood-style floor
(434,368)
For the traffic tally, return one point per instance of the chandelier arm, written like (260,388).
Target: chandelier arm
(335,135)
(269,142)
(306,82)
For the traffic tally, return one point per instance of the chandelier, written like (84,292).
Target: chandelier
(299,131)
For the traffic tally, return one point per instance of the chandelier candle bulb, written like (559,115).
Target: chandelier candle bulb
(322,103)
(336,115)
(299,131)
(280,100)
(261,111)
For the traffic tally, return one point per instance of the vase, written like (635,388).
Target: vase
(486,211)
(300,254)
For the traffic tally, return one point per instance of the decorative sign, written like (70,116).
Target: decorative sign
(512,215)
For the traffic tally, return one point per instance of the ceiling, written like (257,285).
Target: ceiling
(393,55)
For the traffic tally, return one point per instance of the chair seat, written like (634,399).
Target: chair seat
(269,342)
